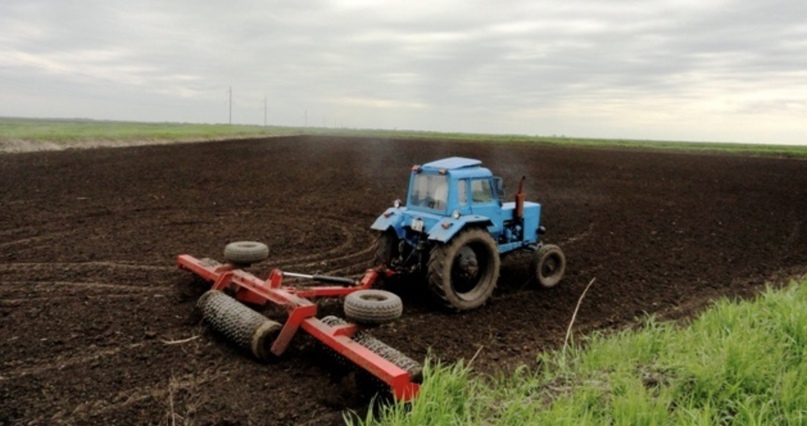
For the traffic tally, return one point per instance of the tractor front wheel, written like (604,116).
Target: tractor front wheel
(463,272)
(549,264)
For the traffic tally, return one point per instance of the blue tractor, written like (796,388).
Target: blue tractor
(455,228)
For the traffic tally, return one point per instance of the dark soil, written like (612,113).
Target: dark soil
(94,314)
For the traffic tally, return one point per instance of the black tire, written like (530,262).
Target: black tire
(245,252)
(462,274)
(386,248)
(373,306)
(548,265)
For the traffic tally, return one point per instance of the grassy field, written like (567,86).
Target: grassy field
(738,363)
(55,134)
(73,131)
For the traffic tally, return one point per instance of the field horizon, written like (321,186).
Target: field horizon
(46,134)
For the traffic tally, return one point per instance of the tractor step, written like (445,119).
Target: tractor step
(239,324)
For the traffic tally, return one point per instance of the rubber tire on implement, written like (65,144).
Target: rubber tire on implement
(548,265)
(372,306)
(396,357)
(443,261)
(245,252)
(239,324)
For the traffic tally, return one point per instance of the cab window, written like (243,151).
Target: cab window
(481,191)
(429,191)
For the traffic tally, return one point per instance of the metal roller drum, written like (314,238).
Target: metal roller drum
(239,324)
(382,349)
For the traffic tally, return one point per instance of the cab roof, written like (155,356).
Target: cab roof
(453,163)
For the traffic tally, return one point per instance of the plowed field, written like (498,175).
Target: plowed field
(97,326)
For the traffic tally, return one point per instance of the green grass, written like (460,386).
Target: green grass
(90,133)
(738,363)
(72,132)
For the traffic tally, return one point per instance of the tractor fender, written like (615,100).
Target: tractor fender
(445,229)
(391,218)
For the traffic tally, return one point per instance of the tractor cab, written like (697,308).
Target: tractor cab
(447,195)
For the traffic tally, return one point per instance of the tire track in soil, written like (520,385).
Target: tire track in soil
(39,239)
(26,267)
(161,392)
(577,237)
(347,229)
(45,365)
(13,303)
(46,286)
(340,254)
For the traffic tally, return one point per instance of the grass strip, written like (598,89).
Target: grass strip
(77,133)
(737,363)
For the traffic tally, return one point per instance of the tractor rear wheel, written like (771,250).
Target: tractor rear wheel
(463,272)
(548,265)
(386,248)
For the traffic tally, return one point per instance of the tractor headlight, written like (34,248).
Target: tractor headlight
(456,214)
(396,204)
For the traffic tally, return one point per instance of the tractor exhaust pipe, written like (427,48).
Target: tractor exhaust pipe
(520,199)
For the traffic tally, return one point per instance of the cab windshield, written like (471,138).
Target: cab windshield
(429,191)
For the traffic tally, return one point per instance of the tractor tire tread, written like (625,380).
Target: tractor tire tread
(384,248)
(246,252)
(440,285)
(540,256)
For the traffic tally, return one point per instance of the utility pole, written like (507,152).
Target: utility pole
(306,118)
(264,111)
(231,105)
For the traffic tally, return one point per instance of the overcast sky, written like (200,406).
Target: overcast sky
(697,70)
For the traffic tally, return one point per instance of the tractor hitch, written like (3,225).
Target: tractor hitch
(347,282)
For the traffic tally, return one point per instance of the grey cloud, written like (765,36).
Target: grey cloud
(405,65)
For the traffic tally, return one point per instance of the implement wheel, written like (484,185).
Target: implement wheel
(548,265)
(372,306)
(238,323)
(463,273)
(245,252)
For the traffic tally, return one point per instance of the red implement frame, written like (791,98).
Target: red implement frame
(302,314)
